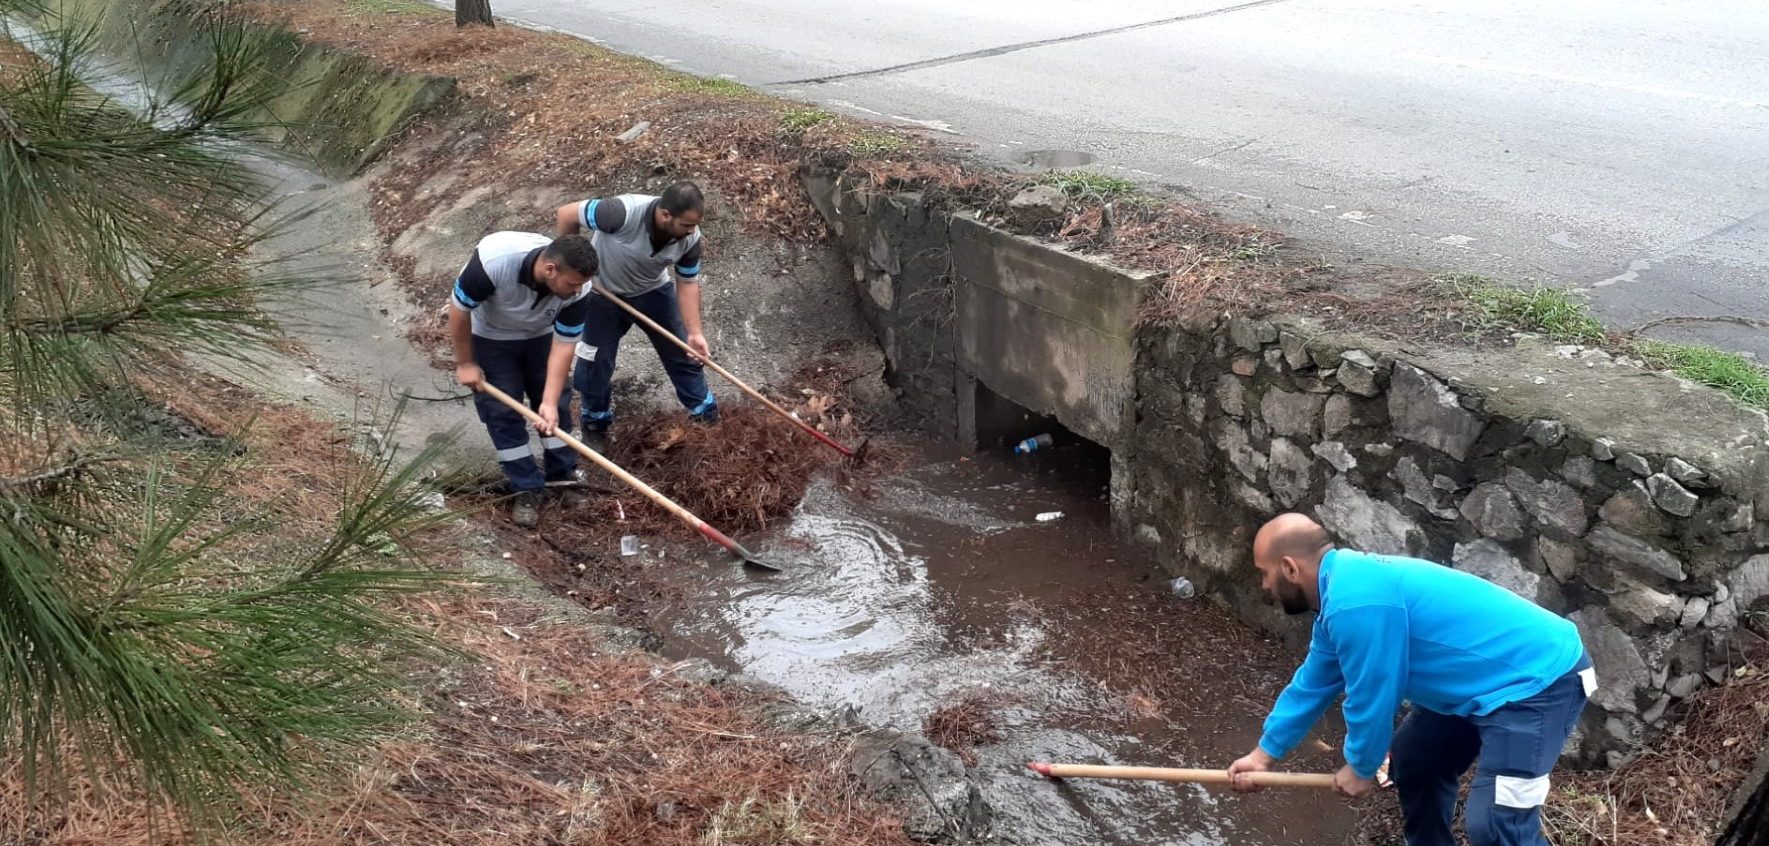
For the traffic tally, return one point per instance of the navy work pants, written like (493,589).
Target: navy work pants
(606,324)
(1516,746)
(519,368)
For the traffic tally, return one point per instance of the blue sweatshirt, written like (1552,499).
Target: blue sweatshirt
(1393,629)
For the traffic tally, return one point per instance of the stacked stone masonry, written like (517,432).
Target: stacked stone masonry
(1655,557)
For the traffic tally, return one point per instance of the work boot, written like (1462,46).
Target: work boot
(573,498)
(708,418)
(596,439)
(525,509)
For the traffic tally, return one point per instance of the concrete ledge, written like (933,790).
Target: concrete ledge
(1047,329)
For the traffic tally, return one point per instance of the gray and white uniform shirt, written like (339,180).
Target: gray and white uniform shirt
(636,257)
(507,303)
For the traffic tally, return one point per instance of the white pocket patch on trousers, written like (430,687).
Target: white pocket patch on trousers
(1520,792)
(585,351)
(1588,676)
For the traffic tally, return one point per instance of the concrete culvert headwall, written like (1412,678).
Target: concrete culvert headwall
(992,336)
(1625,499)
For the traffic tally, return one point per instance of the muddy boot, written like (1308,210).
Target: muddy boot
(525,510)
(709,417)
(572,499)
(596,439)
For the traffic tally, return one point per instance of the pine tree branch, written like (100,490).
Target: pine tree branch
(79,463)
(101,323)
(11,130)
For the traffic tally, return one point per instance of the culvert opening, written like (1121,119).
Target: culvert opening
(1067,460)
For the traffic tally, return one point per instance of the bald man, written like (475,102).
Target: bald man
(1491,677)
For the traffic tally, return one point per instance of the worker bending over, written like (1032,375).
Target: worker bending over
(518,309)
(642,240)
(1491,676)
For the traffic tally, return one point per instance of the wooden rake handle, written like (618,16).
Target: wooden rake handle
(741,385)
(1189,776)
(613,469)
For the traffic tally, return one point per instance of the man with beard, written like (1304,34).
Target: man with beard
(1491,676)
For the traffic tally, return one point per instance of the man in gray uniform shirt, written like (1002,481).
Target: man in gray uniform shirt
(518,310)
(640,240)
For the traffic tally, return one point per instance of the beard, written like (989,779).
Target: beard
(1293,600)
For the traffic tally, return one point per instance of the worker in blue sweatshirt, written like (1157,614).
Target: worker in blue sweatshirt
(1492,677)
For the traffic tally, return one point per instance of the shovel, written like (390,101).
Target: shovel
(650,493)
(855,456)
(1323,780)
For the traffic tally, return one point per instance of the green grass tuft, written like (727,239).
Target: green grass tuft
(1086,183)
(1253,251)
(711,85)
(1552,312)
(877,144)
(1730,373)
(394,7)
(796,121)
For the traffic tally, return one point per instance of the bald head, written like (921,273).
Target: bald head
(1291,536)
(1288,551)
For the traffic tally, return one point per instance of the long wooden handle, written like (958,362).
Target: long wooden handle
(741,385)
(1267,779)
(600,461)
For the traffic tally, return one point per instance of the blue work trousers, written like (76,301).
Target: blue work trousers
(1516,746)
(606,324)
(519,368)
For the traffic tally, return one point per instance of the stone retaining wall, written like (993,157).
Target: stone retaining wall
(1623,499)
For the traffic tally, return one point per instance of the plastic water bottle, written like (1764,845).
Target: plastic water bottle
(1031,445)
(1182,588)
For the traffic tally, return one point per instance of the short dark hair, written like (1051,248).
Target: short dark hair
(575,252)
(681,198)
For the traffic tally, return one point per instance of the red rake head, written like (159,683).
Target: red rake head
(1040,768)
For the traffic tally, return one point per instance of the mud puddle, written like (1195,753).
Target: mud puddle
(941,583)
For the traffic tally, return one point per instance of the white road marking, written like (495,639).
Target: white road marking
(1635,268)
(844,104)
(936,125)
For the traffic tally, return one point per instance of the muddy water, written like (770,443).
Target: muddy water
(941,583)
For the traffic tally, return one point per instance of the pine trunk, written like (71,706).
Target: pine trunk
(473,12)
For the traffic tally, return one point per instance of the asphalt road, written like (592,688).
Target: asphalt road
(1619,146)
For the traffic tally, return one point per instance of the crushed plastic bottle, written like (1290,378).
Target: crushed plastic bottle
(1183,588)
(1031,445)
